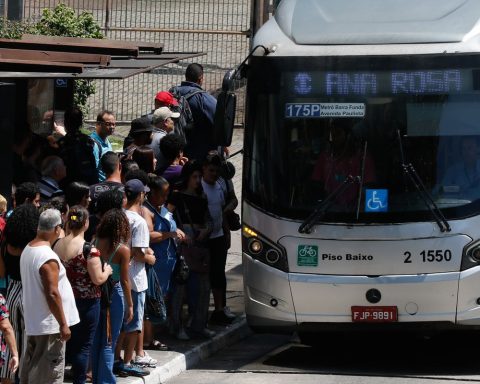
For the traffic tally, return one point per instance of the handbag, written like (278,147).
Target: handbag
(155,308)
(181,272)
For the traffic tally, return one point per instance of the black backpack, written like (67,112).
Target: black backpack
(186,122)
(77,154)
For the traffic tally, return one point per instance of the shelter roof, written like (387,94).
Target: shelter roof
(80,58)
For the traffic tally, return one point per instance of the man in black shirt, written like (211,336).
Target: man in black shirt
(110,163)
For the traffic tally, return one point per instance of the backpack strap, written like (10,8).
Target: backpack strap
(174,91)
(188,96)
(99,146)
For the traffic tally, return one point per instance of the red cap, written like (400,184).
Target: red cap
(166,98)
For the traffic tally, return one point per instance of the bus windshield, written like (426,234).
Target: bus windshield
(314,121)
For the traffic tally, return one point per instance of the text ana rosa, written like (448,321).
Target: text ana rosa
(346,257)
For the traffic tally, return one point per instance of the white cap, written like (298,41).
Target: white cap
(162,114)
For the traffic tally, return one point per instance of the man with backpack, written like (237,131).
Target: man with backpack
(202,106)
(76,150)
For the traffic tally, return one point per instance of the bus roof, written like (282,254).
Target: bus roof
(347,22)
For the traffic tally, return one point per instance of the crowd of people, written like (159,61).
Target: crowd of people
(94,236)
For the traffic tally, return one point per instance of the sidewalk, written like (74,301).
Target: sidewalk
(186,354)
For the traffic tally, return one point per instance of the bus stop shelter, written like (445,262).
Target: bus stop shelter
(37,75)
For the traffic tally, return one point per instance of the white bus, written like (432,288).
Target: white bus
(361,186)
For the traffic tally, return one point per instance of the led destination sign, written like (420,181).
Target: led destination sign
(383,82)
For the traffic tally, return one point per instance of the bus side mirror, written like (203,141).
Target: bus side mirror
(224,118)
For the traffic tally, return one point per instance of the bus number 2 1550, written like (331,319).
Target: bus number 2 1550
(430,256)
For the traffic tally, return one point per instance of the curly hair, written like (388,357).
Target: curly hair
(21,227)
(109,200)
(115,227)
(77,217)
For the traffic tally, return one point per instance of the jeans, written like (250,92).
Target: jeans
(80,344)
(198,288)
(102,351)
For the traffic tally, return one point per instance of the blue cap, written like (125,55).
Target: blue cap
(134,187)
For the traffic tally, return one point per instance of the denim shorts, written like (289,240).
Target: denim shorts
(136,325)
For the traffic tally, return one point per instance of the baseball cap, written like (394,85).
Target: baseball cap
(163,113)
(166,98)
(141,124)
(134,186)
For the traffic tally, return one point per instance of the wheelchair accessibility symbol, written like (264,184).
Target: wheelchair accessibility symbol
(376,200)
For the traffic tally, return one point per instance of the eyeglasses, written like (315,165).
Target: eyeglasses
(108,123)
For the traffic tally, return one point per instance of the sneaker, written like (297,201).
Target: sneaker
(145,361)
(219,318)
(182,335)
(132,370)
(229,313)
(117,364)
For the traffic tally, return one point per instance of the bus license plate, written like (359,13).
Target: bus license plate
(374,314)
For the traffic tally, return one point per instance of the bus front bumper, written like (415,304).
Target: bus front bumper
(276,301)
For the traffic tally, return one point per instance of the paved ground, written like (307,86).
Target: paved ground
(345,359)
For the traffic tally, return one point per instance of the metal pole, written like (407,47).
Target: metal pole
(257,15)
(5,11)
(108,6)
(266,11)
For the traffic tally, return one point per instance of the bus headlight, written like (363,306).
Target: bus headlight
(255,246)
(471,255)
(264,250)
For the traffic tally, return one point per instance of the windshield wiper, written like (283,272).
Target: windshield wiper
(410,171)
(323,206)
(362,175)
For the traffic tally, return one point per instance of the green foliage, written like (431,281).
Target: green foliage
(63,21)
(13,29)
(60,21)
(82,90)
